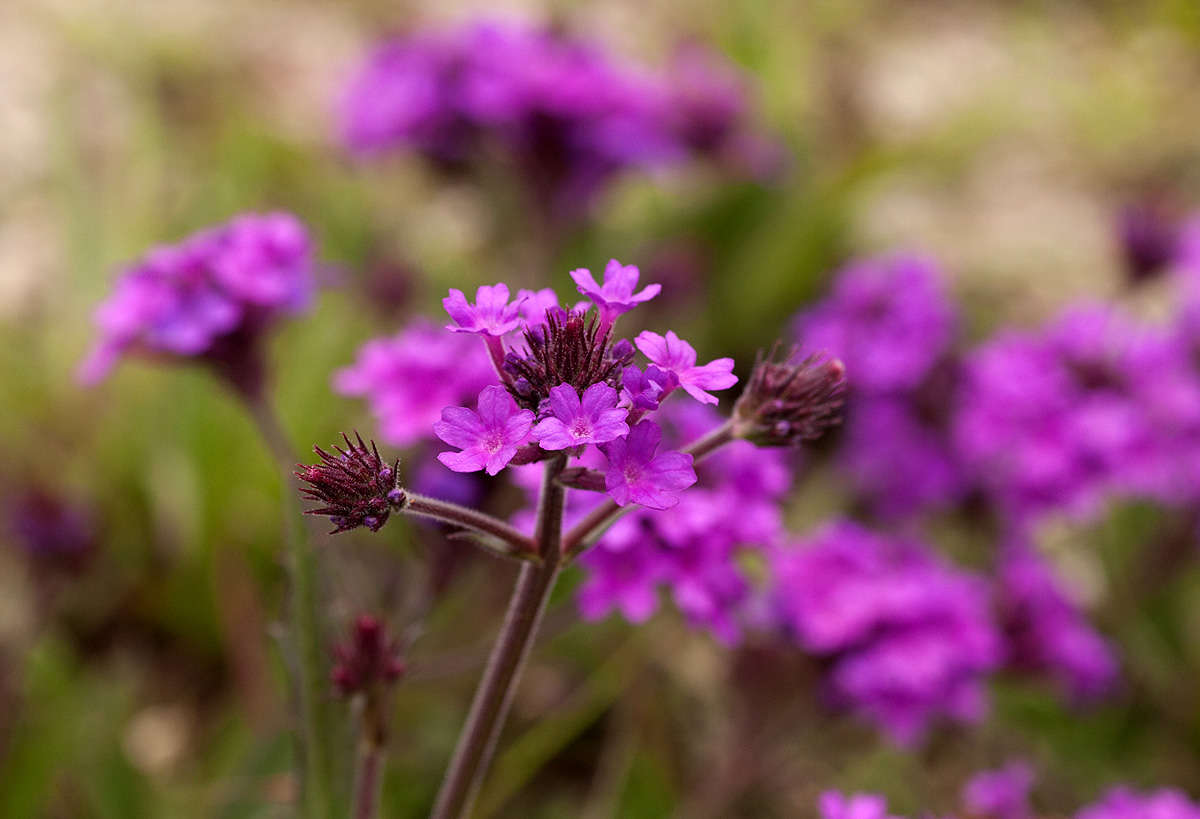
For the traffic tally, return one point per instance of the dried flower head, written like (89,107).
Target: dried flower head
(355,486)
(790,399)
(570,348)
(366,659)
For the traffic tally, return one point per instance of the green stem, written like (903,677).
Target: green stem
(477,742)
(309,643)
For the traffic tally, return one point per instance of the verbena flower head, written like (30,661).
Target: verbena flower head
(1125,803)
(1000,794)
(638,473)
(490,315)
(561,111)
(489,437)
(790,400)
(908,638)
(408,378)
(353,486)
(573,422)
(209,296)
(1046,631)
(672,354)
(615,297)
(569,348)
(887,318)
(367,659)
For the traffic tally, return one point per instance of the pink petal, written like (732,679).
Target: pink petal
(459,427)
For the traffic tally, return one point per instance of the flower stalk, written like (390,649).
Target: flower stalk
(493,697)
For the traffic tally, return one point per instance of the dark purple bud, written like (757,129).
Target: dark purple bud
(1148,238)
(354,487)
(367,659)
(622,351)
(790,400)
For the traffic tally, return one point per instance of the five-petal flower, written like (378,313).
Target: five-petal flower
(572,422)
(488,437)
(637,475)
(673,354)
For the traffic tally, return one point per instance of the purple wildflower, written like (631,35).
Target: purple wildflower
(908,637)
(1000,794)
(637,475)
(674,355)
(367,659)
(354,487)
(1124,803)
(489,437)
(208,296)
(408,378)
(490,315)
(616,296)
(886,318)
(593,420)
(644,390)
(535,304)
(833,805)
(1046,630)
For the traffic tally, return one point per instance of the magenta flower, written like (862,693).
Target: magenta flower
(594,420)
(676,356)
(488,437)
(535,303)
(1000,794)
(644,390)
(490,315)
(833,805)
(616,296)
(636,475)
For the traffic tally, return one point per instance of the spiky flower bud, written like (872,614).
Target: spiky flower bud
(790,399)
(367,659)
(354,486)
(570,348)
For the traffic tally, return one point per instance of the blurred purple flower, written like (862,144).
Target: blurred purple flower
(1148,238)
(833,805)
(676,356)
(1124,803)
(1000,794)
(573,422)
(1046,631)
(209,296)
(408,378)
(908,637)
(488,437)
(886,318)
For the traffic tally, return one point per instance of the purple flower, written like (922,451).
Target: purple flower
(1148,239)
(1046,630)
(594,420)
(644,390)
(616,296)
(411,376)
(208,296)
(1123,803)
(1000,794)
(833,805)
(907,638)
(636,475)
(488,438)
(886,318)
(490,315)
(673,354)
(535,304)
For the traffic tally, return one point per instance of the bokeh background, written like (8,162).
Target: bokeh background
(142,677)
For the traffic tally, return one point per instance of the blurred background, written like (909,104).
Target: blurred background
(139,615)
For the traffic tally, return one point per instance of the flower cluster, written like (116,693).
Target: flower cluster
(1000,794)
(693,549)
(891,323)
(1123,803)
(208,296)
(907,637)
(1045,630)
(566,386)
(566,115)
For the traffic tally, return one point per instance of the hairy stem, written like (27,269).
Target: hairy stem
(493,697)
(309,643)
(596,521)
(452,513)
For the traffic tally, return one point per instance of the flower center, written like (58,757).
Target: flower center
(581,428)
(493,442)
